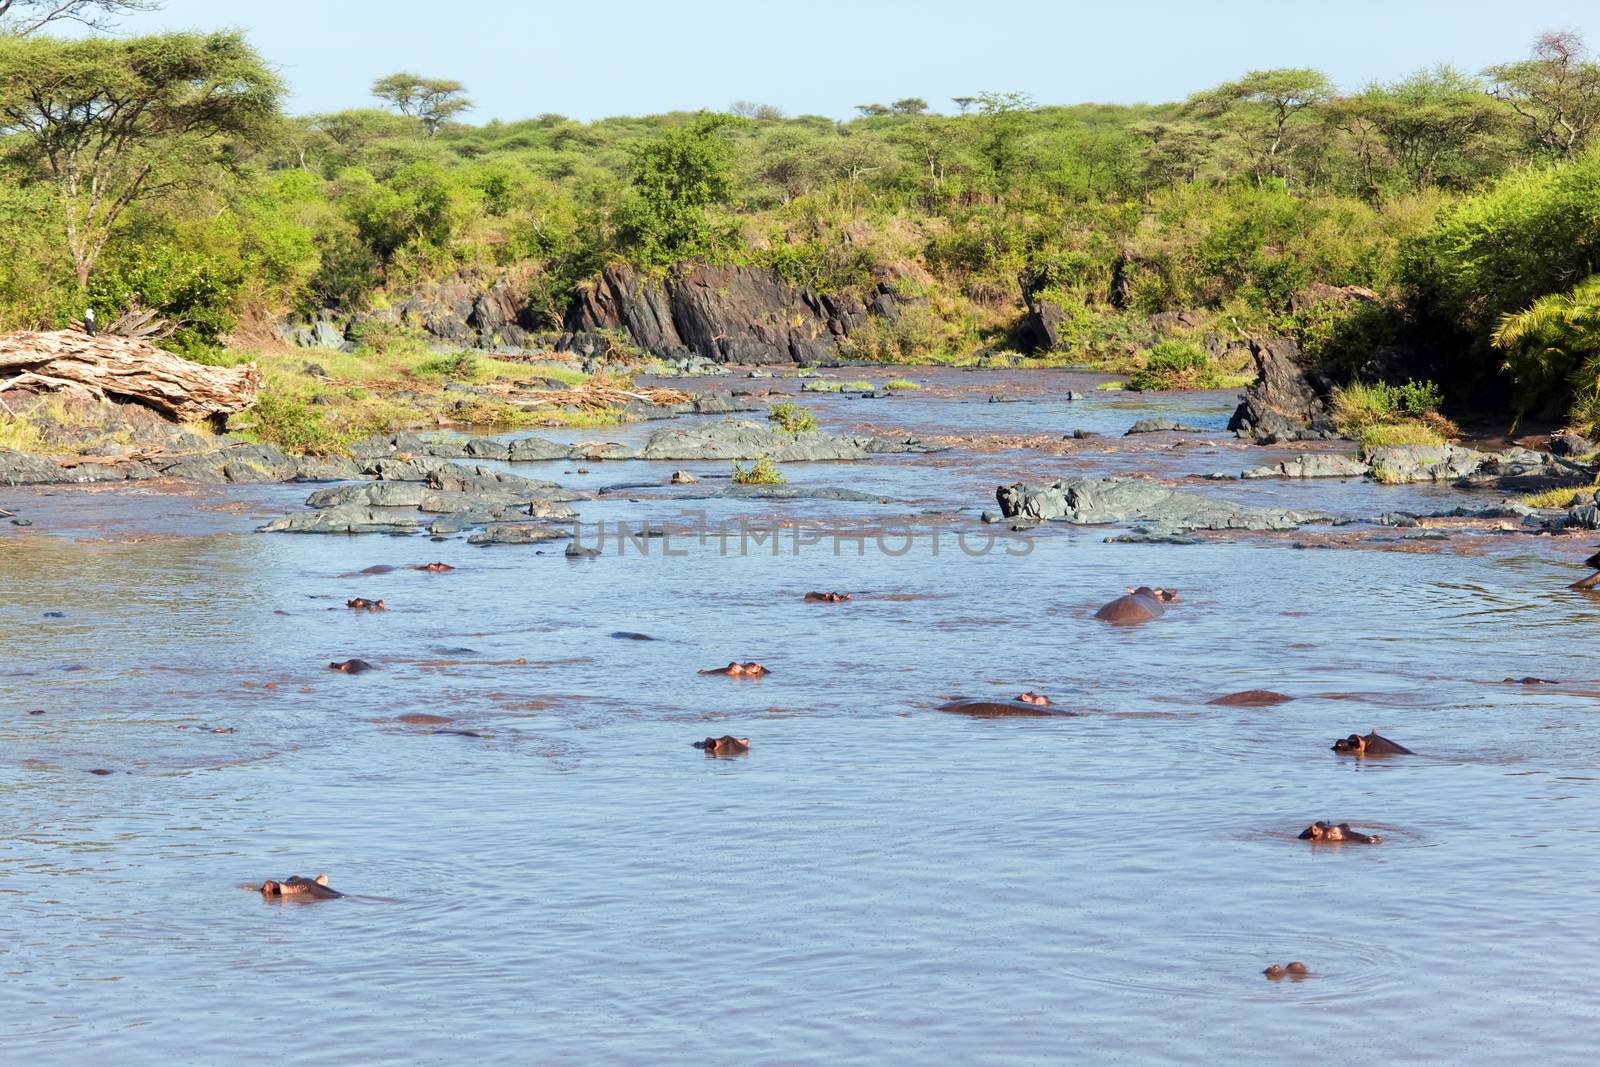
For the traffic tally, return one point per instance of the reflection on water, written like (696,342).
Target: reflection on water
(875,880)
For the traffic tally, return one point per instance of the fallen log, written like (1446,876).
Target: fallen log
(125,370)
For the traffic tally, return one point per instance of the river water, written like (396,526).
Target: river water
(877,881)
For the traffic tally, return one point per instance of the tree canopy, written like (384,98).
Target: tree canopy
(432,101)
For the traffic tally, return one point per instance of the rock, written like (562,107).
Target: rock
(1323,293)
(325,469)
(739,440)
(1523,470)
(1312,465)
(24,468)
(1041,326)
(1146,537)
(518,533)
(486,483)
(1162,425)
(1102,501)
(1073,394)
(348,519)
(326,335)
(1006,398)
(1288,401)
(683,478)
(536,449)
(1395,464)
(1571,444)
(728,314)
(799,492)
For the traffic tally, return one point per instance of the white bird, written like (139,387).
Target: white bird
(88,321)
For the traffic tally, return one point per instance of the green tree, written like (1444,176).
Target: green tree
(1004,120)
(1556,93)
(116,122)
(911,105)
(1266,108)
(1435,126)
(676,178)
(432,101)
(873,110)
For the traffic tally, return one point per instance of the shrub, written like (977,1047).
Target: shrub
(192,290)
(1174,365)
(762,472)
(293,425)
(1361,405)
(791,419)
(1552,350)
(900,383)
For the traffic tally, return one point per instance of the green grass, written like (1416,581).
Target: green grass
(900,383)
(856,387)
(1565,497)
(1399,433)
(19,434)
(762,472)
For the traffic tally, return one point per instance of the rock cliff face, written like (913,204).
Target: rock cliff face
(727,314)
(723,314)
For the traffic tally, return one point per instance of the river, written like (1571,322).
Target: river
(876,881)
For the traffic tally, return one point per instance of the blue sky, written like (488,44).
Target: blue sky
(618,57)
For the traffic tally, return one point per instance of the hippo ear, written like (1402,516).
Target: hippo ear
(321,879)
(743,740)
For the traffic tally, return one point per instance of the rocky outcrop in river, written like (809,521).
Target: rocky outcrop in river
(1288,402)
(1106,501)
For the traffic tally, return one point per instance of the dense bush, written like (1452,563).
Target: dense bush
(1174,364)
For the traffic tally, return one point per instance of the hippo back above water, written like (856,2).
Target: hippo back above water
(1137,606)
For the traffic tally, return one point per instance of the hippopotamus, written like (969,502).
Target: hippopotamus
(1530,680)
(1294,972)
(1139,605)
(1327,831)
(1034,698)
(1371,745)
(629,635)
(435,568)
(298,888)
(422,718)
(827,598)
(361,603)
(379,568)
(1585,584)
(997,709)
(741,670)
(726,745)
(1252,698)
(351,666)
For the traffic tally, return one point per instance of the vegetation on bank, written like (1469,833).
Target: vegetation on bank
(1463,204)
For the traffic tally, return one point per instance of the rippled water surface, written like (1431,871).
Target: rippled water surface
(877,881)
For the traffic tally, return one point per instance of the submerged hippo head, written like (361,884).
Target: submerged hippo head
(351,666)
(1371,745)
(361,603)
(736,669)
(1252,698)
(435,568)
(1033,698)
(1330,832)
(298,888)
(827,598)
(1294,972)
(726,745)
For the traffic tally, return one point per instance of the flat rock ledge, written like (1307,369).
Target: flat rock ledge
(1108,501)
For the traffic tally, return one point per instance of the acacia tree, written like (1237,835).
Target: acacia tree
(1556,93)
(433,101)
(1264,107)
(114,122)
(19,18)
(1433,126)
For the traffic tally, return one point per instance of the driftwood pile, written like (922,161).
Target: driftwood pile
(596,396)
(125,370)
